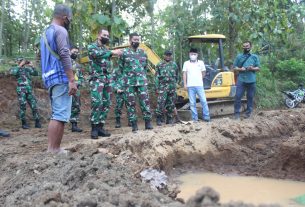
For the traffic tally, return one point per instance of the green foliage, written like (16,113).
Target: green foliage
(268,94)
(4,67)
(291,73)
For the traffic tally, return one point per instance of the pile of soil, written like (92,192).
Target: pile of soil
(105,172)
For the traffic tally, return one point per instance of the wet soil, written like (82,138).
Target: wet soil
(105,172)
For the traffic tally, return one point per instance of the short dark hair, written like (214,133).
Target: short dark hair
(168,52)
(194,50)
(102,29)
(61,10)
(247,41)
(133,35)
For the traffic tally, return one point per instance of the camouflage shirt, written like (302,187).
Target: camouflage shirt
(78,73)
(23,75)
(100,63)
(133,65)
(116,80)
(166,73)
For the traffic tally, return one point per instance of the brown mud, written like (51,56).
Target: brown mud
(105,172)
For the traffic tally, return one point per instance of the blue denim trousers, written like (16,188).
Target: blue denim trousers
(192,92)
(61,102)
(240,91)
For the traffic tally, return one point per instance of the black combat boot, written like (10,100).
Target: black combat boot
(102,132)
(177,119)
(162,119)
(117,122)
(94,131)
(134,126)
(148,124)
(4,134)
(37,123)
(169,120)
(24,125)
(75,127)
(159,122)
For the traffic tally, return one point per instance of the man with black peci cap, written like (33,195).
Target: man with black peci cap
(166,79)
(193,74)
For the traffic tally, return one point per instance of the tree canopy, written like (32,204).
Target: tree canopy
(275,27)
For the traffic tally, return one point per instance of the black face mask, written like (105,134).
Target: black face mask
(67,24)
(135,45)
(247,50)
(104,40)
(73,56)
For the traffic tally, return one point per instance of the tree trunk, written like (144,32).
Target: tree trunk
(1,26)
(153,30)
(80,35)
(181,52)
(95,6)
(232,33)
(113,13)
(27,23)
(10,36)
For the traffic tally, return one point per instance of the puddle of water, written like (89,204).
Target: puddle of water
(253,190)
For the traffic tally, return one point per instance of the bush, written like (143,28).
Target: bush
(290,73)
(268,95)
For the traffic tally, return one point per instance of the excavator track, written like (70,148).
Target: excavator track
(217,108)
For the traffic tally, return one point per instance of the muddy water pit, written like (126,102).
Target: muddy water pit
(248,189)
(243,168)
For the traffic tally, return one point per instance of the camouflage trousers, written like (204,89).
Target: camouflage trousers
(75,109)
(120,99)
(100,101)
(166,100)
(25,94)
(142,93)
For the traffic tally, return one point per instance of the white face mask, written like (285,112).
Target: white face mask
(193,57)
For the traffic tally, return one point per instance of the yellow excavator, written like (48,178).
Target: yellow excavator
(219,82)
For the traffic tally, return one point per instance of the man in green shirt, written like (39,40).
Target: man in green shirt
(246,65)
(100,76)
(133,64)
(23,73)
(76,99)
(166,79)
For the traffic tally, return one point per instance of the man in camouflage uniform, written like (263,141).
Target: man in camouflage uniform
(120,96)
(133,64)
(76,102)
(166,78)
(100,89)
(23,73)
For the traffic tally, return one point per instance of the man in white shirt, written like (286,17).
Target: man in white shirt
(193,74)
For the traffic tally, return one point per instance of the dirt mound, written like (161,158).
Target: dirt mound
(105,172)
